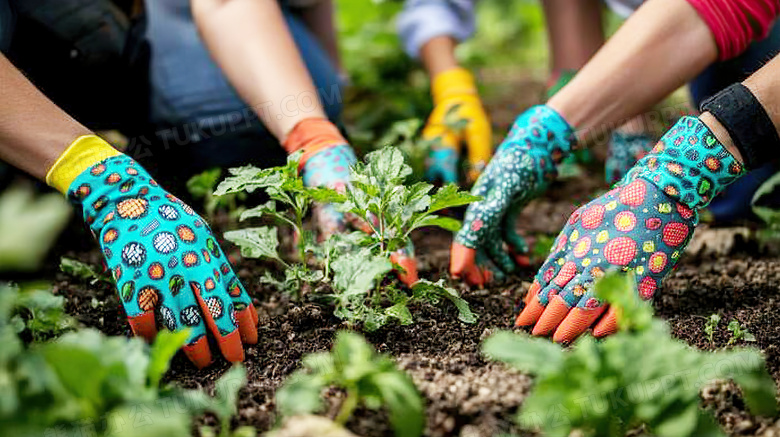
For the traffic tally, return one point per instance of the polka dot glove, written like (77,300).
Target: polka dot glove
(643,225)
(441,165)
(624,151)
(329,167)
(520,170)
(169,270)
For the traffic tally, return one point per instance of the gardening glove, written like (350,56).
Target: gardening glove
(523,166)
(625,149)
(642,225)
(169,269)
(569,167)
(325,162)
(455,98)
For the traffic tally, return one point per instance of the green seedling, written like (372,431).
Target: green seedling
(739,332)
(368,379)
(606,388)
(710,326)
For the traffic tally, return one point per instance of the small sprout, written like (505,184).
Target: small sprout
(739,332)
(710,326)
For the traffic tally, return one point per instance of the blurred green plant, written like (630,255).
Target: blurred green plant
(29,226)
(368,378)
(618,374)
(201,186)
(84,382)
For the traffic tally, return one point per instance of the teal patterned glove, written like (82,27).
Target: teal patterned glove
(168,267)
(329,168)
(643,225)
(521,169)
(624,151)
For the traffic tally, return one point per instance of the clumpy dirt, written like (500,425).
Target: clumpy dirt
(466,395)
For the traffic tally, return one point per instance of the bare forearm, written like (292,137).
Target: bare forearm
(662,46)
(438,55)
(33,131)
(574,30)
(250,41)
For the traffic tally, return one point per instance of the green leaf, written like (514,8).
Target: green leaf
(424,287)
(620,290)
(226,391)
(29,225)
(403,401)
(247,178)
(356,273)
(82,270)
(256,242)
(534,355)
(300,394)
(165,346)
(758,387)
(202,185)
(401,313)
(450,196)
(763,202)
(268,208)
(448,223)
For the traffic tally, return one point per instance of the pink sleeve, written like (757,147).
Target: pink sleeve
(737,23)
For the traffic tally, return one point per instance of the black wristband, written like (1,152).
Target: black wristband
(748,123)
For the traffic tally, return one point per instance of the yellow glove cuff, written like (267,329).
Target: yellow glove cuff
(452,83)
(82,153)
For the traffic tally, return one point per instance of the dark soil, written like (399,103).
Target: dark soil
(465,394)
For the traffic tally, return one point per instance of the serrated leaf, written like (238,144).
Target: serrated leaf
(268,208)
(256,242)
(423,287)
(356,273)
(450,196)
(401,313)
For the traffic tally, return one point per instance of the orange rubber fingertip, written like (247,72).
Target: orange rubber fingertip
(530,314)
(533,290)
(523,260)
(461,258)
(144,325)
(199,353)
(247,324)
(552,316)
(231,347)
(409,276)
(576,323)
(607,325)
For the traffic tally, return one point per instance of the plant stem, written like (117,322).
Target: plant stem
(349,405)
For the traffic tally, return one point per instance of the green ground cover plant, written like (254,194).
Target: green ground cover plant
(639,376)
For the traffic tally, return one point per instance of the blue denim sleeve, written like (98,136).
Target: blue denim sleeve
(6,25)
(421,20)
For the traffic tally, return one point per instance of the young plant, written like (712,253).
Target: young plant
(739,332)
(378,195)
(201,186)
(224,405)
(284,186)
(638,376)
(83,271)
(710,326)
(368,378)
(84,382)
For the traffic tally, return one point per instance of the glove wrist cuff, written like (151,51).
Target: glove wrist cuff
(312,135)
(82,154)
(689,164)
(451,83)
